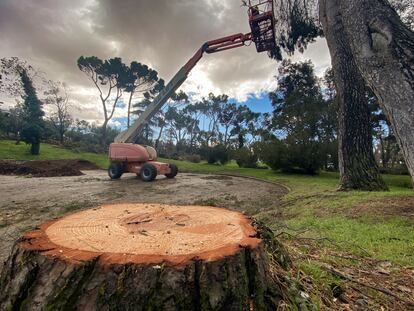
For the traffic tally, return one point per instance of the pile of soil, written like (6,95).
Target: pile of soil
(49,168)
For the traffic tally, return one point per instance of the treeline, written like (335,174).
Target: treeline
(42,112)
(77,135)
(298,135)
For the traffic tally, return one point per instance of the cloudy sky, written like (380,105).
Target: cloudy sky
(52,34)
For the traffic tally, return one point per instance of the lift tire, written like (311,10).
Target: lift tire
(115,170)
(148,172)
(174,171)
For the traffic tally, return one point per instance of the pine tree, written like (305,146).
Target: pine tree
(32,114)
(305,119)
(299,22)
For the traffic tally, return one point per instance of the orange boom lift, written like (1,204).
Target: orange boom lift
(125,156)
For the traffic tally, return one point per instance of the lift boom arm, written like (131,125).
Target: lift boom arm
(130,135)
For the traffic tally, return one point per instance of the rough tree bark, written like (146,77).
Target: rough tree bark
(383,49)
(357,165)
(147,257)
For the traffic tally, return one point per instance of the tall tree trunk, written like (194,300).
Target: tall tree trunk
(129,109)
(191,143)
(35,148)
(61,132)
(357,165)
(383,47)
(159,137)
(146,133)
(192,136)
(104,130)
(383,156)
(240,139)
(225,136)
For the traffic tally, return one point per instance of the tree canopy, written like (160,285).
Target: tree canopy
(110,78)
(32,126)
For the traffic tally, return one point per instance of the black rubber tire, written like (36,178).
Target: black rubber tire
(115,170)
(174,171)
(148,172)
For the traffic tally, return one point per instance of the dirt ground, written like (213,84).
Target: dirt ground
(45,168)
(389,207)
(26,202)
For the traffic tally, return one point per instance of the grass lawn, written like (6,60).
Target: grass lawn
(315,220)
(9,150)
(313,204)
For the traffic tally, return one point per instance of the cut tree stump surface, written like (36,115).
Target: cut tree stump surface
(146,257)
(145,233)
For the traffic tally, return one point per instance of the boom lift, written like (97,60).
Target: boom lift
(125,156)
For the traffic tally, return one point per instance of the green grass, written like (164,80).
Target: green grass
(391,239)
(9,150)
(312,204)
(298,183)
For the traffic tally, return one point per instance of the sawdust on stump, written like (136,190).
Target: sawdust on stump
(145,257)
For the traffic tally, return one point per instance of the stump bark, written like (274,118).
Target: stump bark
(145,257)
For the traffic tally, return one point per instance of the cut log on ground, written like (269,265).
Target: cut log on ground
(146,257)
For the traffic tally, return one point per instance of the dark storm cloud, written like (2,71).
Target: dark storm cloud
(166,33)
(52,34)
(47,34)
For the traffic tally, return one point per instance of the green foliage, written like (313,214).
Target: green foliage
(244,122)
(245,157)
(86,137)
(14,121)
(387,151)
(216,154)
(195,125)
(307,157)
(140,77)
(110,77)
(177,123)
(33,125)
(139,80)
(290,157)
(153,88)
(273,152)
(50,132)
(60,120)
(305,118)
(211,108)
(194,158)
(3,117)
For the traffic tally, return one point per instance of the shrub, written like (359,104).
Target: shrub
(305,156)
(194,158)
(290,157)
(245,158)
(399,170)
(272,152)
(85,147)
(216,154)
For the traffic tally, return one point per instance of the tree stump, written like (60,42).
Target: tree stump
(144,257)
